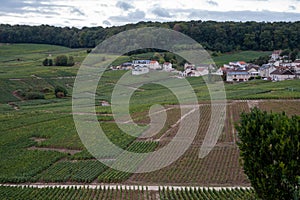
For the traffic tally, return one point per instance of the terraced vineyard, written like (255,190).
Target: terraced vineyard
(208,194)
(121,193)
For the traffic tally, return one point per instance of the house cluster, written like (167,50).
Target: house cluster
(195,71)
(140,67)
(239,71)
(277,69)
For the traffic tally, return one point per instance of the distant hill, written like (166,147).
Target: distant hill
(214,36)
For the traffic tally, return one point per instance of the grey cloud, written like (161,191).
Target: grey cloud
(34,6)
(161,12)
(242,15)
(74,19)
(137,15)
(123,5)
(292,8)
(106,22)
(213,3)
(12,6)
(77,12)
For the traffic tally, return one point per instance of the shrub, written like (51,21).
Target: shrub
(71,61)
(34,95)
(47,62)
(269,147)
(46,90)
(60,92)
(64,60)
(61,60)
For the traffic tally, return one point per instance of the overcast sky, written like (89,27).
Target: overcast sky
(79,13)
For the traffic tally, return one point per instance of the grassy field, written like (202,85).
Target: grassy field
(239,56)
(39,141)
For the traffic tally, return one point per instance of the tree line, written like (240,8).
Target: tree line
(61,60)
(214,36)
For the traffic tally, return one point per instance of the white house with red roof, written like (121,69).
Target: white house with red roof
(276,55)
(154,65)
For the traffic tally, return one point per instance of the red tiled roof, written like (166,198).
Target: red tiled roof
(282,72)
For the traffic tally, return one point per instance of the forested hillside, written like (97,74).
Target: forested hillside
(215,36)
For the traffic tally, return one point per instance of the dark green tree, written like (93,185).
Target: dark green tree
(46,62)
(285,52)
(71,61)
(61,60)
(270,148)
(50,62)
(294,54)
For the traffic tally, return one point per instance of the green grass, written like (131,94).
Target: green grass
(239,56)
(259,89)
(25,60)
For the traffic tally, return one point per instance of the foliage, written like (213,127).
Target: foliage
(215,36)
(269,147)
(294,54)
(261,60)
(60,91)
(34,95)
(61,60)
(70,61)
(47,62)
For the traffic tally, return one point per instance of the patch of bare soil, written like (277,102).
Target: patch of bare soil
(38,140)
(14,106)
(62,150)
(253,104)
(15,94)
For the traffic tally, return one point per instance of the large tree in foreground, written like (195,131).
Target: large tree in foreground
(270,150)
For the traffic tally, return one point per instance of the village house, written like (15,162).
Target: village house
(283,74)
(220,71)
(266,70)
(167,66)
(276,55)
(239,71)
(154,65)
(192,70)
(237,76)
(141,63)
(189,66)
